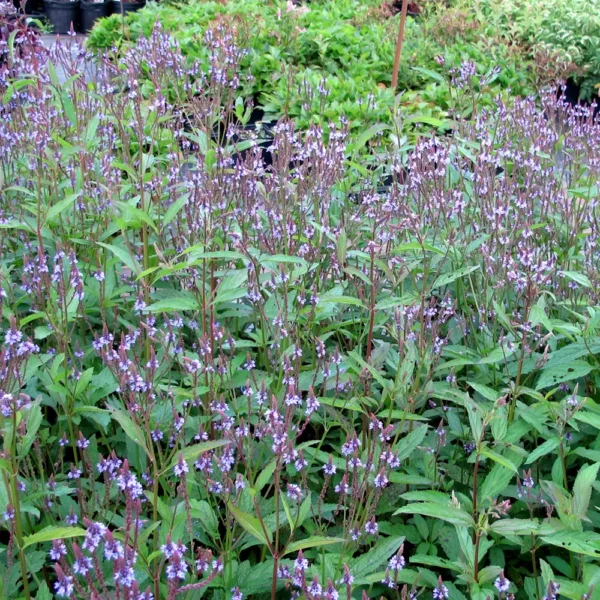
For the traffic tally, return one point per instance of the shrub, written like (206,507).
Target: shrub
(230,378)
(342,50)
(568,30)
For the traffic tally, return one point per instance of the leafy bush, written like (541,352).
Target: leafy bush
(340,50)
(570,30)
(228,378)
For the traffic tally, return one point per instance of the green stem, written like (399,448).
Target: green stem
(17,509)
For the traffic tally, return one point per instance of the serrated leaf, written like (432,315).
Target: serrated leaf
(174,209)
(515,526)
(367,563)
(580,542)
(265,475)
(325,299)
(449,278)
(451,514)
(313,542)
(501,460)
(123,256)
(553,376)
(172,305)
(53,533)
(495,482)
(543,449)
(409,443)
(250,524)
(582,489)
(131,429)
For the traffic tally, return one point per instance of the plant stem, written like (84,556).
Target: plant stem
(17,509)
(534,567)
(475,485)
(399,45)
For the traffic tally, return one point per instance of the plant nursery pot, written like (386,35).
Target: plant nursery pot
(92,11)
(62,14)
(122,8)
(30,8)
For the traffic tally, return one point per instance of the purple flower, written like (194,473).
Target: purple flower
(170,548)
(58,550)
(94,535)
(181,468)
(236,594)
(63,586)
(176,569)
(113,549)
(71,519)
(441,591)
(502,584)
(82,565)
(9,513)
(371,526)
(294,492)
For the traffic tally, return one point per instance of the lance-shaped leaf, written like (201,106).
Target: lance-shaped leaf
(53,533)
(250,524)
(451,514)
(313,542)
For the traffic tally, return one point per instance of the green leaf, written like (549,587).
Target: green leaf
(380,553)
(53,533)
(451,514)
(495,483)
(325,299)
(131,429)
(487,392)
(582,489)
(202,510)
(448,278)
(173,304)
(409,443)
(431,74)
(475,421)
(174,209)
(249,523)
(313,542)
(137,213)
(288,512)
(59,207)
(123,256)
(34,420)
(584,542)
(588,418)
(515,526)
(265,476)
(43,592)
(543,449)
(366,135)
(552,376)
(501,460)
(355,356)
(434,561)
(579,278)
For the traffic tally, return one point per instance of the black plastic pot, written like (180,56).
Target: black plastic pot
(122,8)
(31,6)
(92,11)
(62,14)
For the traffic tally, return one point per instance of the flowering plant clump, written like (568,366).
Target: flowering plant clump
(238,371)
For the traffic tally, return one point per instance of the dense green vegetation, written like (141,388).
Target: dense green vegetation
(339,356)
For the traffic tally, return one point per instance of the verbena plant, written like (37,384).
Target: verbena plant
(234,371)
